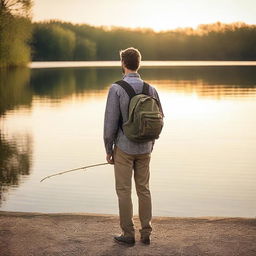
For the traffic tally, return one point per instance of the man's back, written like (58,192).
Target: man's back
(118,102)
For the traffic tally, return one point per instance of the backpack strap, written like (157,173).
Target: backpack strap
(130,91)
(127,87)
(145,89)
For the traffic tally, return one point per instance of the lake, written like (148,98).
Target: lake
(204,164)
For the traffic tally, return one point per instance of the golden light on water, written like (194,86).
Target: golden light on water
(199,159)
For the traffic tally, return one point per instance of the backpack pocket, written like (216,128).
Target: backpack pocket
(151,124)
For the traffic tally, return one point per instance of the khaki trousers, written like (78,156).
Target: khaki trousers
(124,166)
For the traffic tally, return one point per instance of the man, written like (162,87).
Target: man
(127,155)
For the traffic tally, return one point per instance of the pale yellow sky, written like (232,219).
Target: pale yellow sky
(156,14)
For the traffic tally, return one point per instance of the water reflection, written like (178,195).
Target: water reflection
(15,161)
(205,81)
(228,76)
(14,89)
(213,82)
(61,83)
(199,122)
(19,86)
(15,152)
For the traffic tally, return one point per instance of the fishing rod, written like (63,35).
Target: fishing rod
(72,170)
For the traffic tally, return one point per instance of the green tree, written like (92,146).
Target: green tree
(85,49)
(52,42)
(15,32)
(216,41)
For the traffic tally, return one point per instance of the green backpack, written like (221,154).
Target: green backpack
(145,119)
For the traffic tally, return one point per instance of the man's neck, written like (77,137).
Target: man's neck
(128,71)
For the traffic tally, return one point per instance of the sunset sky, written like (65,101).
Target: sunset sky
(156,14)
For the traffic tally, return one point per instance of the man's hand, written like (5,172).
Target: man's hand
(110,158)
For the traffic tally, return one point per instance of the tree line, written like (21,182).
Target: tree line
(15,32)
(22,41)
(55,40)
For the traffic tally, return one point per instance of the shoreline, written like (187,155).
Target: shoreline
(19,213)
(23,233)
(144,64)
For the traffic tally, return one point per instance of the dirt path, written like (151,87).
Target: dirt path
(27,234)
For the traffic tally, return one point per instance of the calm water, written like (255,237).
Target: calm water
(204,164)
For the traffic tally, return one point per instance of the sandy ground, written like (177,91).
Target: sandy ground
(82,234)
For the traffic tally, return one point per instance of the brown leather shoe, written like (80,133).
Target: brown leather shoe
(124,240)
(145,240)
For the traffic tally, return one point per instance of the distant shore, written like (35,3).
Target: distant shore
(92,234)
(165,63)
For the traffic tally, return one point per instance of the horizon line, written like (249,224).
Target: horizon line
(144,63)
(112,27)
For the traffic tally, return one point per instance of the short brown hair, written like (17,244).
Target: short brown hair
(131,58)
